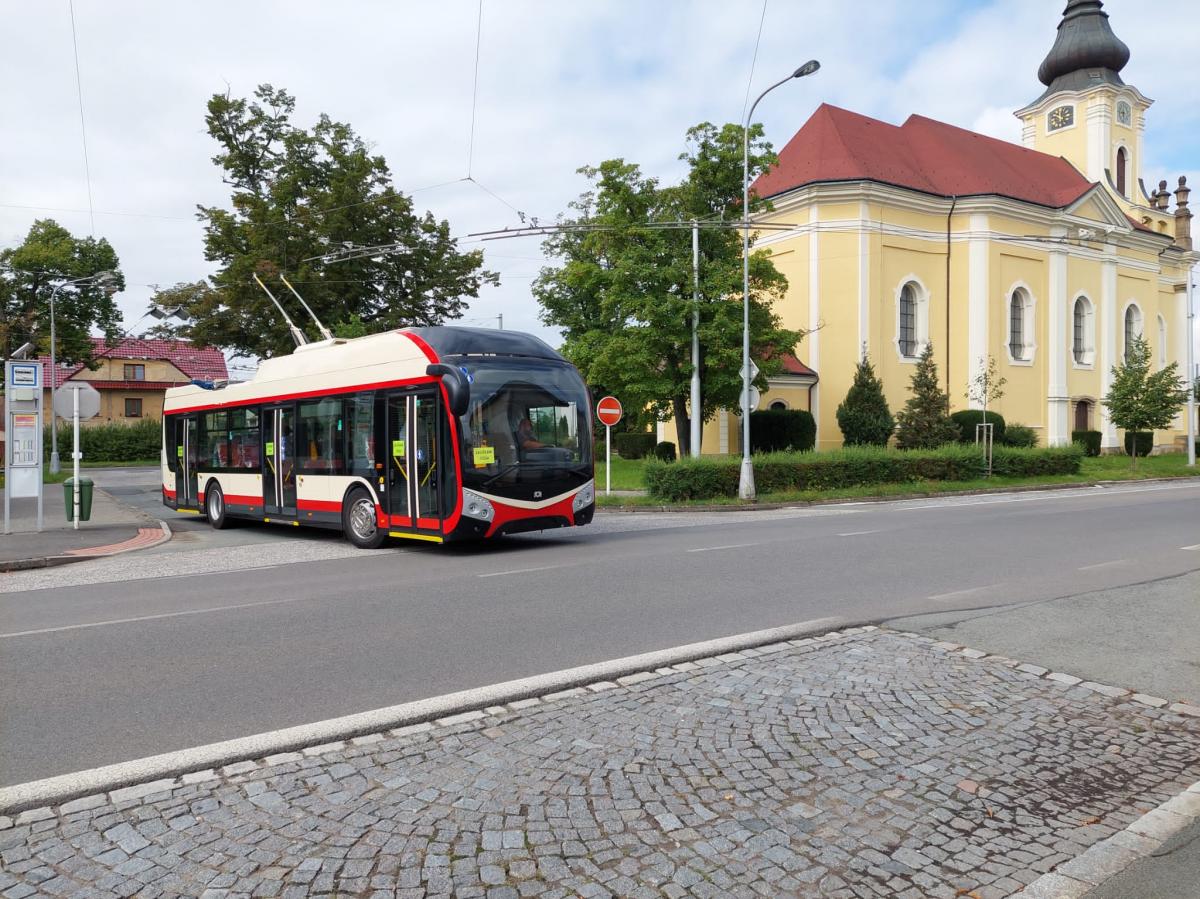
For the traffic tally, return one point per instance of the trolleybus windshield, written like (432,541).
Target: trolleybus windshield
(527,432)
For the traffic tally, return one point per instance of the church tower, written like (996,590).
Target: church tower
(1087,114)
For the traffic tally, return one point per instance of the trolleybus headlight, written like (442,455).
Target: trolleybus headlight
(585,497)
(476,506)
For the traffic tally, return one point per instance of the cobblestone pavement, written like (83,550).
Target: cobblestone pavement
(867,763)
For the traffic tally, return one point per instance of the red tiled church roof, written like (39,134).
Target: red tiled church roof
(201,362)
(922,154)
(793,366)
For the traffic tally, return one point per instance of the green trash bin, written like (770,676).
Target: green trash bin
(85,498)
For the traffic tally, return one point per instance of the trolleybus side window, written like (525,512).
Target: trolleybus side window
(359,416)
(214,438)
(243,439)
(320,438)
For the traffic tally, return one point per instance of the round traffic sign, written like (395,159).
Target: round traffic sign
(64,400)
(608,410)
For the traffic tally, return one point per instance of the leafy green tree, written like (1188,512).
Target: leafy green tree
(924,422)
(1141,400)
(301,194)
(49,256)
(864,416)
(622,292)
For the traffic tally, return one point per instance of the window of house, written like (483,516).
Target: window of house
(135,372)
(133,407)
(1122,160)
(1020,326)
(1133,327)
(320,443)
(1082,338)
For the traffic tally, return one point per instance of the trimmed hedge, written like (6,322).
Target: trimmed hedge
(1089,439)
(966,419)
(773,430)
(1145,442)
(706,478)
(665,451)
(633,444)
(109,442)
(1020,435)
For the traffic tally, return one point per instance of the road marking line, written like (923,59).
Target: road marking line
(987,499)
(520,571)
(967,592)
(1103,565)
(171,577)
(1194,546)
(860,533)
(705,549)
(180,614)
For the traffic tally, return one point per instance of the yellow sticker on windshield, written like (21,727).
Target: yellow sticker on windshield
(397,447)
(484,456)
(179,451)
(270,449)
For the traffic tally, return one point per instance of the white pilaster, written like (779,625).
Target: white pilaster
(1029,132)
(977,299)
(864,282)
(723,432)
(1099,130)
(814,313)
(1181,338)
(1058,401)
(1108,340)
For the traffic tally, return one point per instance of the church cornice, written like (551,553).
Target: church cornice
(1048,101)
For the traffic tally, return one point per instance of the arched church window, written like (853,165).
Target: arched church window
(1133,327)
(1020,326)
(908,321)
(1122,165)
(1082,340)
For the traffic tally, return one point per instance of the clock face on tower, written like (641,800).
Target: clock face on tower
(1062,117)
(1124,113)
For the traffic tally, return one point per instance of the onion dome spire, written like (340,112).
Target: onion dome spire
(1085,52)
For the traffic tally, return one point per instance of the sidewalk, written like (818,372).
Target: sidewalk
(855,764)
(114,527)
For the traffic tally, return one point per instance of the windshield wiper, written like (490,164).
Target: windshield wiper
(503,471)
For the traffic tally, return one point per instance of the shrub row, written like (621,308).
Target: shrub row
(633,444)
(1089,439)
(1145,442)
(850,467)
(109,442)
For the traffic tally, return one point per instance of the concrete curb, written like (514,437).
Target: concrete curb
(67,559)
(167,766)
(804,504)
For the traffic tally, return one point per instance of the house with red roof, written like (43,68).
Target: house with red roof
(133,375)
(1047,257)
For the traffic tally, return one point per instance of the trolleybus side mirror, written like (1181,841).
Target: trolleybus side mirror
(457,389)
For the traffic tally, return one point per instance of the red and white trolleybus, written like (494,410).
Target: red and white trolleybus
(436,433)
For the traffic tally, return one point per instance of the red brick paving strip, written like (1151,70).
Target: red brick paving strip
(146,537)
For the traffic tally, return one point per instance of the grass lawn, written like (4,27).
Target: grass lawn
(48,478)
(1100,468)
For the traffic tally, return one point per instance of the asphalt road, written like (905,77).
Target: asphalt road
(158,652)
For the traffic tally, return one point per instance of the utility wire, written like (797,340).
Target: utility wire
(475,91)
(82,125)
(754,61)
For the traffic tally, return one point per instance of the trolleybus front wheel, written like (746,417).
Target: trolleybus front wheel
(359,523)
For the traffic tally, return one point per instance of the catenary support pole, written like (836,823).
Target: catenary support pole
(55,463)
(696,418)
(1191,366)
(75,455)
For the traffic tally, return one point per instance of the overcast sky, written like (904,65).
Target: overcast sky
(561,84)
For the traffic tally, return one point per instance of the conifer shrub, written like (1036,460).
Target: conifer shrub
(633,444)
(924,422)
(863,416)
(708,478)
(773,430)
(1090,440)
(967,419)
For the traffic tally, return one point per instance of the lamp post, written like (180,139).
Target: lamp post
(746,481)
(1191,378)
(107,281)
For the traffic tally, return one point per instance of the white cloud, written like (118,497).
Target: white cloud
(560,85)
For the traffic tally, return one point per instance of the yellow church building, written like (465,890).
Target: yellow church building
(1046,257)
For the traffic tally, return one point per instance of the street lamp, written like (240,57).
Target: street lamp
(746,482)
(106,280)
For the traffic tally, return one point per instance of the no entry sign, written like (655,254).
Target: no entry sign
(608,410)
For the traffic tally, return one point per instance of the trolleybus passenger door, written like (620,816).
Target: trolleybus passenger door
(279,461)
(187,449)
(414,472)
